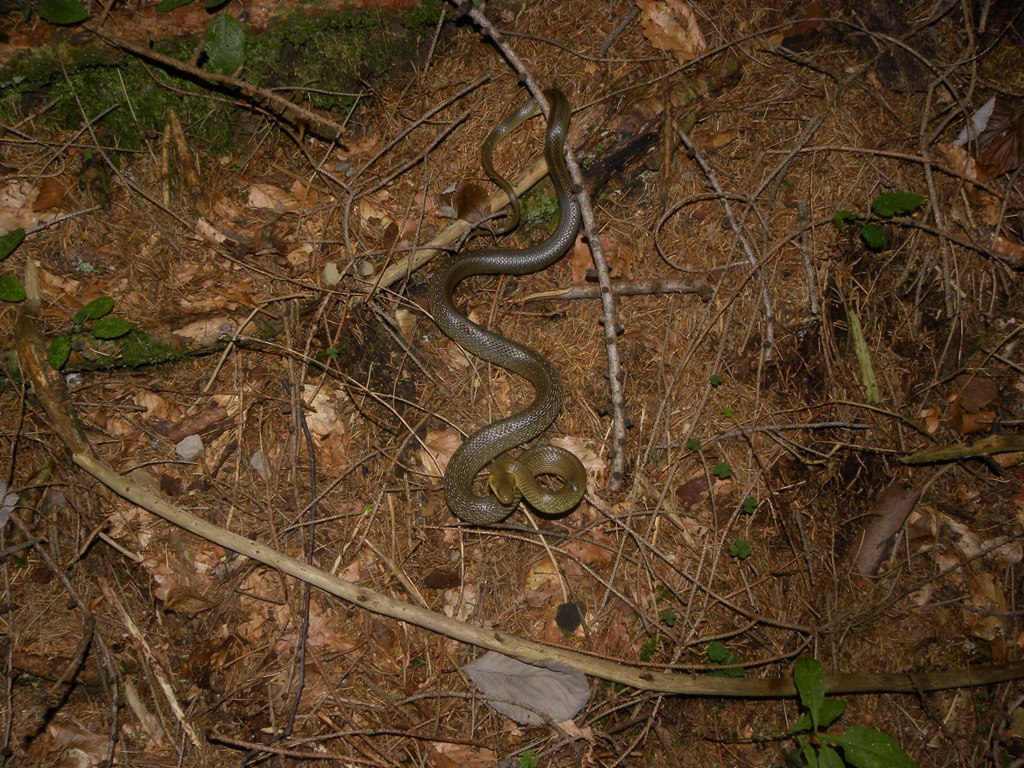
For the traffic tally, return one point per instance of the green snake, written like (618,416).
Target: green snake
(511,480)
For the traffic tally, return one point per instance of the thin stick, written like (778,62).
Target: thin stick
(740,231)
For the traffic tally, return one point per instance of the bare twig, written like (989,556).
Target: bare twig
(768,346)
(628,288)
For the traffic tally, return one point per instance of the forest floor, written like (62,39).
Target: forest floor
(826,283)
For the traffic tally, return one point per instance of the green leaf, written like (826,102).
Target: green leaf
(97,308)
(649,648)
(225,44)
(727,411)
(171,5)
(213,5)
(722,471)
(668,618)
(810,684)
(10,241)
(61,11)
(529,759)
(717,652)
(716,380)
(693,444)
(740,548)
(809,755)
(803,723)
(896,203)
(749,506)
(831,710)
(10,289)
(829,758)
(842,218)
(873,237)
(868,748)
(58,352)
(110,328)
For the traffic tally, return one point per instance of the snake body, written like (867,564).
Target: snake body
(511,480)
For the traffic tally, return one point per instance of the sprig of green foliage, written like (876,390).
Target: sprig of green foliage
(719,654)
(883,207)
(101,325)
(861,747)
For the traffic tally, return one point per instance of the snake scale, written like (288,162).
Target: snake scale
(511,480)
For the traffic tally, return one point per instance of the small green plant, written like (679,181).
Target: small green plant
(883,207)
(718,654)
(723,470)
(650,647)
(529,759)
(10,288)
(693,444)
(716,380)
(101,325)
(61,11)
(740,549)
(727,411)
(860,747)
(749,506)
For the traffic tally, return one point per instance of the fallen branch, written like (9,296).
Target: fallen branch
(627,288)
(987,446)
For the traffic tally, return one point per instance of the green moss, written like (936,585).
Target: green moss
(323,56)
(135,349)
(540,206)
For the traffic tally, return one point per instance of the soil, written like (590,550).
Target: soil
(277,384)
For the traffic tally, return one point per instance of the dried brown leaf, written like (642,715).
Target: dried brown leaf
(438,448)
(670,26)
(444,754)
(51,195)
(882,523)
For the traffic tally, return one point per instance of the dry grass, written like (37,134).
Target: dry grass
(814,130)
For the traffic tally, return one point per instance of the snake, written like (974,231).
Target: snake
(512,480)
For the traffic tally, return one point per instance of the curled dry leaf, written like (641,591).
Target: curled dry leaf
(581,261)
(987,597)
(406,321)
(51,195)
(976,393)
(693,494)
(1011,250)
(272,197)
(541,585)
(1001,143)
(156,406)
(931,419)
(468,201)
(438,447)
(670,26)
(446,755)
(462,603)
(322,416)
(617,255)
(596,553)
(882,523)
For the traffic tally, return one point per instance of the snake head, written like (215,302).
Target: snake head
(502,483)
